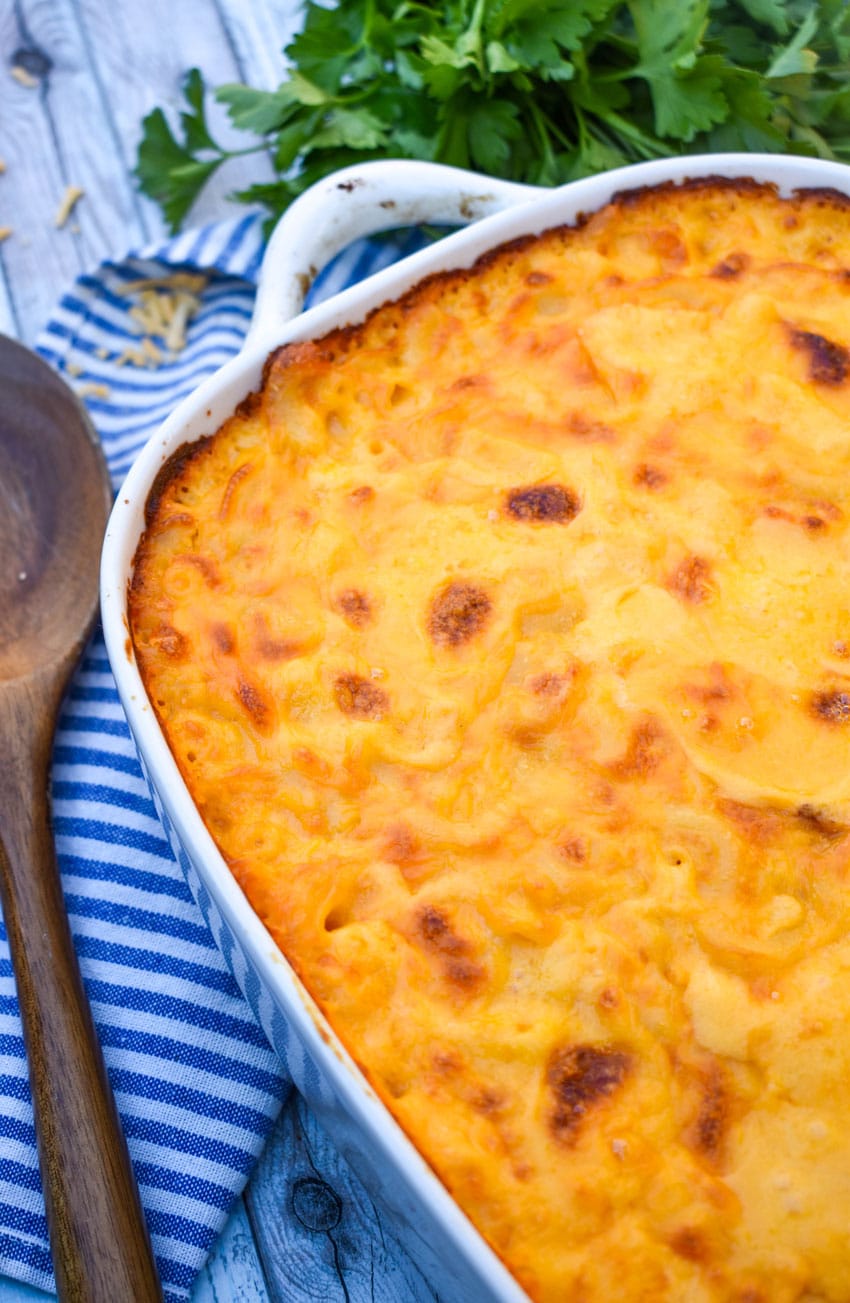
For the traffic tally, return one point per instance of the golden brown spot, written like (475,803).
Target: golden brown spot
(465,973)
(718,687)
(549,685)
(269,648)
(829,363)
(731,266)
(543,504)
(688,1242)
(458,612)
(609,998)
(832,706)
(253,701)
(580,1077)
(669,245)
(691,580)
(227,497)
(649,477)
(713,1116)
(354,607)
(167,479)
(574,850)
(758,823)
(814,520)
(447,1061)
(467,382)
(170,641)
(818,822)
(841,649)
(538,278)
(586,427)
(438,936)
(250,404)
(365,493)
(647,747)
(525,736)
(488,1100)
(222,637)
(436,931)
(779,513)
(400,845)
(360,698)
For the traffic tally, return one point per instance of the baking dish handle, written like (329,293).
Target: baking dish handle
(358,201)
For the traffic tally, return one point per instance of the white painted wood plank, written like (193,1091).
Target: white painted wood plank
(321,1238)
(233,1273)
(8,321)
(257,35)
(12,1292)
(105,70)
(86,151)
(141,65)
(37,259)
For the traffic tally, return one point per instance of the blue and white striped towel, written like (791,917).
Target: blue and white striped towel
(195,1082)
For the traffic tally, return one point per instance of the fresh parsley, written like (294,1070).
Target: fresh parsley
(542,91)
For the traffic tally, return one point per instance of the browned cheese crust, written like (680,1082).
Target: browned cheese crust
(503,642)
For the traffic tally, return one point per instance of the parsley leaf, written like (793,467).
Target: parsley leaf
(169,171)
(532,90)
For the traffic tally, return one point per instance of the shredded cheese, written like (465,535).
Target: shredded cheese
(71,197)
(22,77)
(164,310)
(134,356)
(92,389)
(151,352)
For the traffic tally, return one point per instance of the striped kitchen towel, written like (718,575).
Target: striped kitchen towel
(196,1084)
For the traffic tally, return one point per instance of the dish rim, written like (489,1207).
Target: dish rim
(202,413)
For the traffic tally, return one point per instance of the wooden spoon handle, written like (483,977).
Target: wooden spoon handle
(98,1238)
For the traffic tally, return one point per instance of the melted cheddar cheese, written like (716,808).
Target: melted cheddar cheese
(504,644)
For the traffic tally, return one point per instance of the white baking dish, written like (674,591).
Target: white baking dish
(352,203)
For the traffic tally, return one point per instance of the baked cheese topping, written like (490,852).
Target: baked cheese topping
(504,644)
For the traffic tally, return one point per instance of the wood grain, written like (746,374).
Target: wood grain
(56,498)
(98,74)
(321,1238)
(234,1272)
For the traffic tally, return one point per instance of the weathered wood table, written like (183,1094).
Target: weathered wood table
(304,1229)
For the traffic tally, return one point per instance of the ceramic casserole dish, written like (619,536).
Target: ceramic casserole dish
(452,1254)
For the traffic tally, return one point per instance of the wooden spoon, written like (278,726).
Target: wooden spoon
(54,500)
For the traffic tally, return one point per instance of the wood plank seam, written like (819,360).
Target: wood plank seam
(108,118)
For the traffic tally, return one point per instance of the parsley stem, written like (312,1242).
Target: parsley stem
(473,34)
(552,127)
(240,153)
(647,146)
(541,124)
